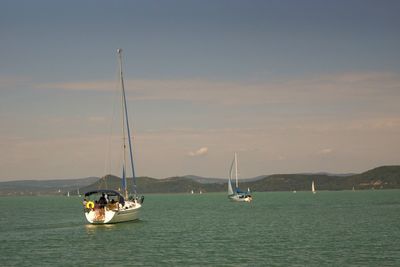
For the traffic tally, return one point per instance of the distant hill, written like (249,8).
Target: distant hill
(385,177)
(152,185)
(45,187)
(203,180)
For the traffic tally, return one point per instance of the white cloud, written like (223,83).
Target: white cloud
(325,151)
(201,152)
(281,157)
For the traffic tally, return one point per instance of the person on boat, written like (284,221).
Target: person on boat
(99,211)
(102,201)
(113,204)
(121,201)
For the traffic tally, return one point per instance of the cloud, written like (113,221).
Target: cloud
(79,86)
(325,151)
(334,89)
(281,157)
(201,152)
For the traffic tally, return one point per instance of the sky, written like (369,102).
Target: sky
(292,86)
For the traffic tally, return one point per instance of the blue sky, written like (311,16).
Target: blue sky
(293,86)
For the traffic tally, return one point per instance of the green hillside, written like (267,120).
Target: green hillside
(385,177)
(151,185)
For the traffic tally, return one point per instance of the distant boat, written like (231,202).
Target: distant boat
(112,206)
(313,187)
(237,194)
(68,194)
(192,192)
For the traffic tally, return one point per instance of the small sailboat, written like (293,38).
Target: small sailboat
(313,187)
(237,194)
(105,206)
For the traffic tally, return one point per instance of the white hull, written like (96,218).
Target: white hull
(239,198)
(129,212)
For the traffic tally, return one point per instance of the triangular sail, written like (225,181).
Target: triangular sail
(230,190)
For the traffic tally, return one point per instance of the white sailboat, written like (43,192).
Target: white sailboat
(112,206)
(237,194)
(313,187)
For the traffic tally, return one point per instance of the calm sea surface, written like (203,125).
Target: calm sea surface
(344,228)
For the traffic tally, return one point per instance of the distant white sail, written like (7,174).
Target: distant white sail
(230,189)
(237,194)
(313,187)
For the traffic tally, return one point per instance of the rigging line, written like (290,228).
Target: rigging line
(108,151)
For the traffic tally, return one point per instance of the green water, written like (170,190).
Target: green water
(345,228)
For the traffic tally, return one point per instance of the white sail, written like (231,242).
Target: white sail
(313,187)
(230,190)
(237,194)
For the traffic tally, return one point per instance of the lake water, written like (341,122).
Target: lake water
(343,228)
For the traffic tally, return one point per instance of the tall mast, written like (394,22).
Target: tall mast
(126,123)
(236,171)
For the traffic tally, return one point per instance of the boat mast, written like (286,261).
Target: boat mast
(126,123)
(236,171)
